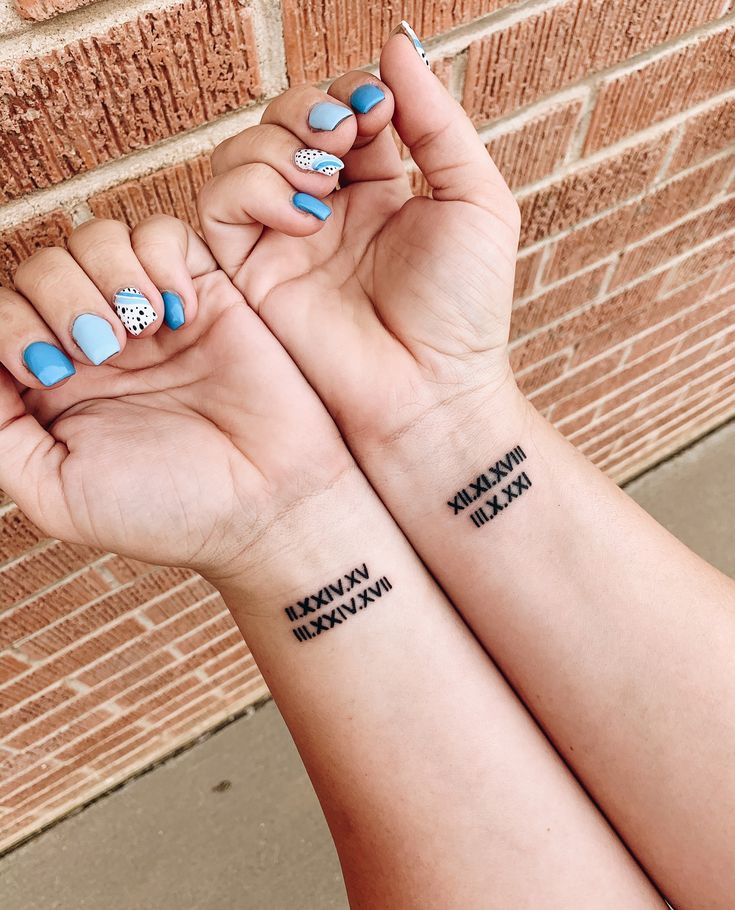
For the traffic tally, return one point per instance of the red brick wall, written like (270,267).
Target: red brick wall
(614,122)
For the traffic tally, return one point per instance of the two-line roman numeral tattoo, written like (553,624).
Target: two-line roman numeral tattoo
(498,479)
(340,593)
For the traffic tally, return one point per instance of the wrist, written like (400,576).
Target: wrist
(303,544)
(475,419)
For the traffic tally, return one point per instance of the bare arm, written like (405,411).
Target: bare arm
(439,789)
(619,639)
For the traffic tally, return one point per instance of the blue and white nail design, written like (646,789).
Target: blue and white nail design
(316,160)
(405,29)
(134,309)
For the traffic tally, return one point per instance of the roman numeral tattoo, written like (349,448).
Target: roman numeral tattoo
(332,593)
(498,474)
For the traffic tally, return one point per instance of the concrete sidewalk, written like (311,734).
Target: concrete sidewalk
(233,823)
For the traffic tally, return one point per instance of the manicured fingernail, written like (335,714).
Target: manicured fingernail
(134,309)
(313,206)
(364,98)
(327,116)
(47,363)
(173,310)
(405,29)
(315,160)
(95,337)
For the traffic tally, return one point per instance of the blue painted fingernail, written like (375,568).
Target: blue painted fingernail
(173,310)
(327,116)
(95,337)
(313,206)
(405,29)
(47,363)
(364,98)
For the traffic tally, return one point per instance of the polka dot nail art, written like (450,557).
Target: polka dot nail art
(134,310)
(316,160)
(405,28)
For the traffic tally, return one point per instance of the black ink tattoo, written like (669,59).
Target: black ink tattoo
(494,474)
(328,594)
(313,602)
(477,489)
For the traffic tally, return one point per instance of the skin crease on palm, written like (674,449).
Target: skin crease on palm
(182,449)
(406,296)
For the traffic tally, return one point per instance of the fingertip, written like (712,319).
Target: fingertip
(47,364)
(311,206)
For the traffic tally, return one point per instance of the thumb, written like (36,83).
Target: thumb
(441,137)
(30,462)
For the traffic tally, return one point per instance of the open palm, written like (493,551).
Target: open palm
(177,452)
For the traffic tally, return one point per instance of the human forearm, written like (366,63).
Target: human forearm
(618,638)
(402,721)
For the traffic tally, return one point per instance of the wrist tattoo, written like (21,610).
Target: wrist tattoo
(335,592)
(498,476)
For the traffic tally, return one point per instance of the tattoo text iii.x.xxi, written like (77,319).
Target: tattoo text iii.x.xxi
(498,478)
(338,596)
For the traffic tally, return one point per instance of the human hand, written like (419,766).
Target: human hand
(182,447)
(393,305)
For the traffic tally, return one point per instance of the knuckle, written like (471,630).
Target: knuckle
(154,230)
(44,270)
(96,234)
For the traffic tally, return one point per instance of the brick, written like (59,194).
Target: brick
(102,611)
(69,662)
(107,736)
(526,271)
(607,382)
(705,135)
(17,243)
(634,221)
(175,603)
(702,262)
(324,38)
(555,303)
(45,9)
(536,149)
(673,243)
(11,667)
(17,534)
(32,709)
(675,370)
(629,312)
(542,374)
(51,606)
(67,782)
(547,51)
(221,625)
(125,569)
(102,97)
(661,334)
(591,189)
(575,383)
(665,86)
(170,191)
(42,739)
(585,330)
(42,567)
(725,278)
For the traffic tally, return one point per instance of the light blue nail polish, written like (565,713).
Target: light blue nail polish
(173,310)
(364,98)
(47,363)
(95,337)
(313,206)
(327,116)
